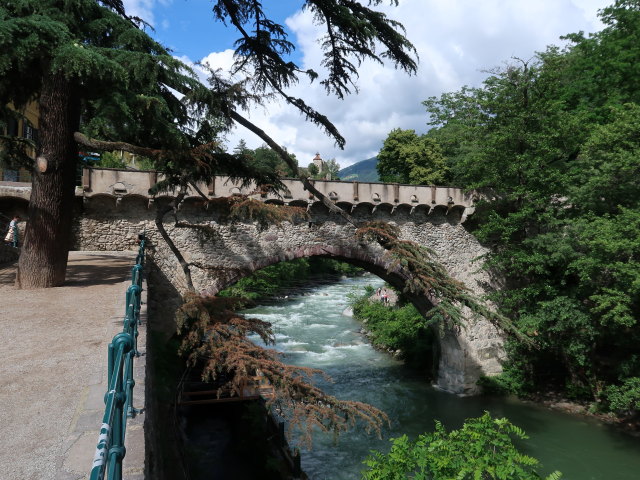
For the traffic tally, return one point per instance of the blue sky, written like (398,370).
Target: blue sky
(188,28)
(456,40)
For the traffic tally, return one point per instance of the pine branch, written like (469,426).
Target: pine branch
(424,276)
(213,337)
(95,144)
(284,155)
(160,214)
(265,214)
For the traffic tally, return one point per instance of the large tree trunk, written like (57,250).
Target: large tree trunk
(43,261)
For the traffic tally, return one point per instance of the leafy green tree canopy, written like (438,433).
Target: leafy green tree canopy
(552,144)
(406,157)
(329,170)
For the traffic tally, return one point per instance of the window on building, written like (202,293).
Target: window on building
(28,130)
(12,127)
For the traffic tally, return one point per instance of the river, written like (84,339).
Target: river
(311,331)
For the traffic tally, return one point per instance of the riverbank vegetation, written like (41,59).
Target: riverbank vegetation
(551,145)
(482,448)
(398,328)
(273,279)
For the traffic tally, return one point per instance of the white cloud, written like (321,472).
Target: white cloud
(222,60)
(140,8)
(455,40)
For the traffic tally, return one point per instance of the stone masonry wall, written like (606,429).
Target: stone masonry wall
(237,250)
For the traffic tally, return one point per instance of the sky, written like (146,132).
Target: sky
(456,40)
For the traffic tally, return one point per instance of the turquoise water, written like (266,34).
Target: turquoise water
(311,331)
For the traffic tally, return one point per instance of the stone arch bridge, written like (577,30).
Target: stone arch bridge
(114,206)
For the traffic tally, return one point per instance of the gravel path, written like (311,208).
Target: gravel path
(53,351)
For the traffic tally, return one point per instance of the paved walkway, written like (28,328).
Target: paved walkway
(53,347)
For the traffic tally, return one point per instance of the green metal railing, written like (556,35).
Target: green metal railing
(118,400)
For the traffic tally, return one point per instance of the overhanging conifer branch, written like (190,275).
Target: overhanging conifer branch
(284,155)
(214,338)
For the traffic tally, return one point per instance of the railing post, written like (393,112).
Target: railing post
(129,409)
(132,292)
(110,364)
(136,273)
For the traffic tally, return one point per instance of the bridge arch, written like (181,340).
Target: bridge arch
(454,363)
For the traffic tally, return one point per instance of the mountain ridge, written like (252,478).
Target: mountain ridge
(362,171)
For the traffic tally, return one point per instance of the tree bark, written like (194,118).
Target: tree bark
(162,211)
(43,260)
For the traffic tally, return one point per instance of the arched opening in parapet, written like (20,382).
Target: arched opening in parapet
(10,206)
(102,204)
(286,283)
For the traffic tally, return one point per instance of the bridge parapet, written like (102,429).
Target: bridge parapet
(124,183)
(128,182)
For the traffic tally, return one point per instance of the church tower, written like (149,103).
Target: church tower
(317,160)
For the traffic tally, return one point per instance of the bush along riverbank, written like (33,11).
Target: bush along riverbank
(398,328)
(275,279)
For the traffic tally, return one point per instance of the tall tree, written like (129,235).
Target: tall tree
(86,59)
(552,144)
(406,157)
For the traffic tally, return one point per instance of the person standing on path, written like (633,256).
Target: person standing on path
(12,235)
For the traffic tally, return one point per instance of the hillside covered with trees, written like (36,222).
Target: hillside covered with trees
(362,171)
(552,146)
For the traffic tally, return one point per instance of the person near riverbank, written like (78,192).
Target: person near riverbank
(11,238)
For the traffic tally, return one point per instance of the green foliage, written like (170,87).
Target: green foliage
(428,278)
(553,147)
(406,157)
(399,327)
(502,384)
(329,170)
(125,82)
(625,397)
(482,449)
(313,170)
(112,160)
(268,281)
(319,265)
(144,163)
(266,158)
(272,279)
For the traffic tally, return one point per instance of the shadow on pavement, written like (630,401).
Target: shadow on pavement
(83,270)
